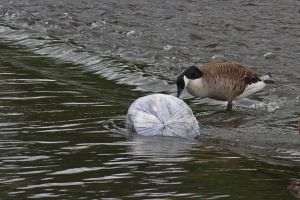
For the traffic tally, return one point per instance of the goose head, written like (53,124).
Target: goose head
(191,73)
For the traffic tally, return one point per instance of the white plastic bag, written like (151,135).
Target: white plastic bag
(162,115)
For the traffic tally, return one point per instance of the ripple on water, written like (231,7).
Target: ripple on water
(76,170)
(51,185)
(43,196)
(64,141)
(23,158)
(108,67)
(111,178)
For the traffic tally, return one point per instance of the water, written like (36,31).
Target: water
(62,138)
(63,100)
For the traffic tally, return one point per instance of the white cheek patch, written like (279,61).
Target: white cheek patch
(186,81)
(198,88)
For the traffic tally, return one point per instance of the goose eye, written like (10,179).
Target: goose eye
(195,75)
(250,80)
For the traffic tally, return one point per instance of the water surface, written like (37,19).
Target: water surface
(70,69)
(62,138)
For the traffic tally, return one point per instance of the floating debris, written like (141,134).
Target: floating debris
(162,115)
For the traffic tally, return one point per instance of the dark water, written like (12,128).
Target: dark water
(70,69)
(61,139)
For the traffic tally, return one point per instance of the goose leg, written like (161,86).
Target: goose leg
(229,106)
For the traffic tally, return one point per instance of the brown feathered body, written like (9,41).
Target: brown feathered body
(223,81)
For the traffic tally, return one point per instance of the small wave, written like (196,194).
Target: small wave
(109,67)
(76,170)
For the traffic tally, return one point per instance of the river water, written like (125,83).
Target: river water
(65,89)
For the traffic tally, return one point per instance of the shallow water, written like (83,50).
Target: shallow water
(68,76)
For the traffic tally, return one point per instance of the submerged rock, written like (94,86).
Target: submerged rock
(162,115)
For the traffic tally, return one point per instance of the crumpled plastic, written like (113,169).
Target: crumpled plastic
(162,115)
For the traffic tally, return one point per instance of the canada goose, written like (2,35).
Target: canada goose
(224,81)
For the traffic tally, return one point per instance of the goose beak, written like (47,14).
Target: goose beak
(180,85)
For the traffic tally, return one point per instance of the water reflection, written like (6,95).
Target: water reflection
(161,148)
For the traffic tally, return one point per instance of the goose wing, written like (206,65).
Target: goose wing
(228,79)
